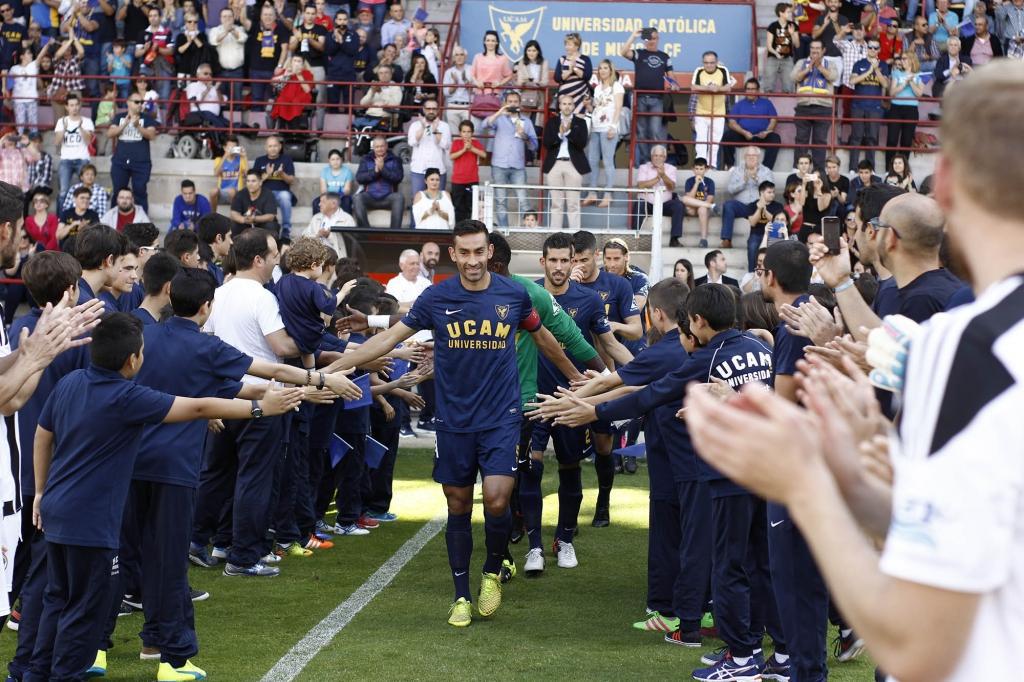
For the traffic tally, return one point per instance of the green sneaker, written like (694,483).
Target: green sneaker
(293,549)
(655,622)
(508,570)
(490,594)
(707,625)
(461,613)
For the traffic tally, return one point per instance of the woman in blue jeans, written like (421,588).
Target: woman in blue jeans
(605,108)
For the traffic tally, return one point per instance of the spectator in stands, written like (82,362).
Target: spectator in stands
(657,174)
(709,115)
(891,43)
(573,72)
(67,73)
(814,78)
(24,91)
(870,79)
(565,164)
(370,38)
(430,139)
(532,72)
(430,254)
(125,211)
(920,42)
(397,26)
(817,198)
(829,26)
(380,174)
(379,100)
(150,99)
(490,71)
(296,95)
(742,185)
(188,208)
(1010,20)
(41,224)
(942,23)
(432,207)
(340,48)
(15,157)
(229,172)
(72,135)
(189,46)
(751,120)
(716,265)
(204,99)
(899,174)
(40,173)
(783,41)
(865,178)
(331,215)
(432,51)
(466,155)
(387,57)
(605,110)
(513,135)
(951,67)
(156,54)
(266,52)
(794,197)
(837,185)
(309,40)
(131,161)
(699,198)
(683,271)
(278,173)
(119,67)
(982,47)
(420,86)
(653,73)
(905,87)
(457,82)
(99,200)
(75,219)
(336,177)
(229,40)
(253,207)
(853,47)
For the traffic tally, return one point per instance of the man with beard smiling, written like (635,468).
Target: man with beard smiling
(430,255)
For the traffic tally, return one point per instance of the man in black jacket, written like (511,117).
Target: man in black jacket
(716,265)
(565,164)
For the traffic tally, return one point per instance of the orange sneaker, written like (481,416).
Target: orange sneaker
(316,543)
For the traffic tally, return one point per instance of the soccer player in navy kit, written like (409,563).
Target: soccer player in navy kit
(624,318)
(800,592)
(83,466)
(474,318)
(586,309)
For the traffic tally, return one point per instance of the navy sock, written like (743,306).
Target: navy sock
(459,538)
(570,496)
(531,501)
(604,465)
(496,532)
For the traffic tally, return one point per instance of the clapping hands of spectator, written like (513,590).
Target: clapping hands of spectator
(813,321)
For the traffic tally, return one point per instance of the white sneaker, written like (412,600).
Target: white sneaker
(271,558)
(534,562)
(349,530)
(567,555)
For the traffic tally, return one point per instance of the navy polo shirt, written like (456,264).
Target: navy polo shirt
(28,415)
(302,301)
(85,293)
(358,419)
(97,418)
(181,360)
(144,315)
(217,272)
(746,114)
(661,429)
(133,299)
(788,348)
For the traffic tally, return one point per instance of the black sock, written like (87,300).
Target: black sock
(496,532)
(570,496)
(459,538)
(604,465)
(531,500)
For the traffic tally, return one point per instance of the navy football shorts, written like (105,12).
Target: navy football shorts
(571,445)
(459,456)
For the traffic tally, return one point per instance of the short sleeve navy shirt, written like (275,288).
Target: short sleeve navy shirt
(475,373)
(302,301)
(587,311)
(97,418)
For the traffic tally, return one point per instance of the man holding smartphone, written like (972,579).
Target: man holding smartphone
(653,72)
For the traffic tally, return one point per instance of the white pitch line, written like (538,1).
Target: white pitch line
(292,663)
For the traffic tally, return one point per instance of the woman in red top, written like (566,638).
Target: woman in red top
(296,94)
(795,195)
(41,225)
(465,154)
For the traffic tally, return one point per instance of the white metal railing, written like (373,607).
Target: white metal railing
(491,201)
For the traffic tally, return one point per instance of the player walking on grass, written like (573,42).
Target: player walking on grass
(474,318)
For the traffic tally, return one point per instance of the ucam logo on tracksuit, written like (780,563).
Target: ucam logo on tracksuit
(745,366)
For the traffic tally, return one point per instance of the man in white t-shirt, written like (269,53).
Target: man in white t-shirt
(72,134)
(204,99)
(246,315)
(944,601)
(409,283)
(430,139)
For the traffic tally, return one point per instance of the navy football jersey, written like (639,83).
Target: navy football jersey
(788,348)
(587,311)
(617,294)
(475,372)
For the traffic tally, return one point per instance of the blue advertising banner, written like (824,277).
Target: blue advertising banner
(686,31)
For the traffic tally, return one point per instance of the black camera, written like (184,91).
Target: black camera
(647,33)
(513,110)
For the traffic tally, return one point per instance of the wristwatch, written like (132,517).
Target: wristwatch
(257,411)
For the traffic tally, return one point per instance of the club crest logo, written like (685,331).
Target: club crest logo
(572,312)
(515,28)
(604,295)
(502,311)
